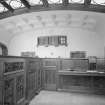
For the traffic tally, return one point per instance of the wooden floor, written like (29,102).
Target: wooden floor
(63,98)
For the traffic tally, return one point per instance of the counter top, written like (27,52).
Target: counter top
(87,73)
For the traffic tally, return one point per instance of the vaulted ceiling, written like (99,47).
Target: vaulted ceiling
(19,16)
(66,19)
(18,24)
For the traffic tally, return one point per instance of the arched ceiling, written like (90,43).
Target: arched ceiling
(19,16)
(67,19)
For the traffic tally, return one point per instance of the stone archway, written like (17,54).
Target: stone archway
(4,49)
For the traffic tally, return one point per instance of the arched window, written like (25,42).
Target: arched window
(3,49)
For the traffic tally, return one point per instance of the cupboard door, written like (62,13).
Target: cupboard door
(9,92)
(31,83)
(20,88)
(39,79)
(50,79)
(99,83)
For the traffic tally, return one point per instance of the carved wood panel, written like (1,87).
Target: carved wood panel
(19,87)
(9,92)
(13,66)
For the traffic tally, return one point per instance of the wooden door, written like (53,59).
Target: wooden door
(31,88)
(50,68)
(50,79)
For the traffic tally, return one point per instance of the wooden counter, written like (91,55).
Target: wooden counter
(88,73)
(88,82)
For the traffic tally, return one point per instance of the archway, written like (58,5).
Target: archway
(3,49)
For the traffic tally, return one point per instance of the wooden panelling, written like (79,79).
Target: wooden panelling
(82,83)
(78,54)
(74,64)
(9,88)
(1,95)
(49,63)
(100,64)
(50,67)
(12,81)
(20,91)
(22,78)
(33,77)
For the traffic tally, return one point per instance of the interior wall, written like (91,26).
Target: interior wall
(77,39)
(4,35)
(101,30)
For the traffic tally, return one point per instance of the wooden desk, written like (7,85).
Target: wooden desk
(90,82)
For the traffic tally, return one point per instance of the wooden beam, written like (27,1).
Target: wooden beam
(25,2)
(65,2)
(38,8)
(45,3)
(7,5)
(87,2)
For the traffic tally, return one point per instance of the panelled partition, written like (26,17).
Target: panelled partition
(74,75)
(33,77)
(50,69)
(12,81)
(22,78)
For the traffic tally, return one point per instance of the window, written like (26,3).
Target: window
(63,40)
(76,1)
(35,2)
(100,2)
(52,41)
(43,41)
(2,8)
(15,4)
(54,1)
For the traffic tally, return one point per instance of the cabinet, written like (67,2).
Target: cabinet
(33,77)
(50,68)
(12,81)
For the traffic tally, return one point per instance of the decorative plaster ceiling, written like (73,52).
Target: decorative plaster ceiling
(16,4)
(34,21)
(50,20)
